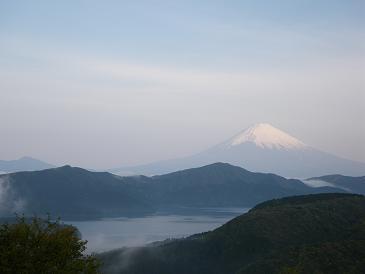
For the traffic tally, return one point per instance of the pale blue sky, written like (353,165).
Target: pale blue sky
(109,83)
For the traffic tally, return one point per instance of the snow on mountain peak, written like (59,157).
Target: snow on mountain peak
(266,136)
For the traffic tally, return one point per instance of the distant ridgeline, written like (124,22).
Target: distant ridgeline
(23,164)
(77,193)
(261,148)
(322,233)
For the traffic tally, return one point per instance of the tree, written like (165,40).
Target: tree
(43,246)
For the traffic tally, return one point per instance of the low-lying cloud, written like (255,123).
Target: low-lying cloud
(9,202)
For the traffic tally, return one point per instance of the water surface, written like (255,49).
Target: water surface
(110,233)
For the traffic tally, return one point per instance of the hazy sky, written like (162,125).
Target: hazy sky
(111,83)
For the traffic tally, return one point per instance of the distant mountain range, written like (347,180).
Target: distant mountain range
(23,164)
(77,193)
(260,148)
(321,233)
(68,192)
(348,183)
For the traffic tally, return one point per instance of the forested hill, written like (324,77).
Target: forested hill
(78,193)
(323,233)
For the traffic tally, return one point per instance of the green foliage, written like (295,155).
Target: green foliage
(319,234)
(43,246)
(332,257)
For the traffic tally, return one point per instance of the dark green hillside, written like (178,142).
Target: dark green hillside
(322,233)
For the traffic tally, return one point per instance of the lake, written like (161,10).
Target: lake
(110,233)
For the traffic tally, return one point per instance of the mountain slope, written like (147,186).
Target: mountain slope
(222,184)
(68,192)
(75,192)
(260,148)
(305,234)
(348,183)
(266,136)
(23,164)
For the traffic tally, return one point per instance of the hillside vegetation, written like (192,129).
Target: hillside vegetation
(323,233)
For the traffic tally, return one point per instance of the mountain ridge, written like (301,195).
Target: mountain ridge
(74,192)
(355,184)
(259,150)
(24,163)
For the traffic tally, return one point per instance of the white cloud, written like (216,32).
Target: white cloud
(9,203)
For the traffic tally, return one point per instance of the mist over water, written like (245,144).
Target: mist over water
(111,233)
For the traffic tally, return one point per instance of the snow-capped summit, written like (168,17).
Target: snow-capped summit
(266,136)
(261,148)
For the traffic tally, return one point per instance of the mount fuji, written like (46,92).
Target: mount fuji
(259,148)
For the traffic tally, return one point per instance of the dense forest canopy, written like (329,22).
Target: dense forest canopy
(43,246)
